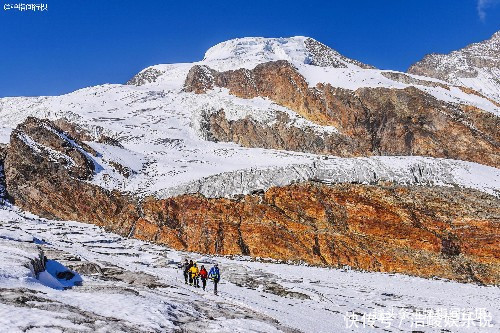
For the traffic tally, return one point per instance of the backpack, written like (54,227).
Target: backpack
(214,273)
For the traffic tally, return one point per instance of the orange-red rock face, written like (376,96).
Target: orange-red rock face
(371,121)
(423,231)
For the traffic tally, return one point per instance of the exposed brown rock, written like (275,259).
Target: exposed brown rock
(3,151)
(200,78)
(74,130)
(251,133)
(3,187)
(380,121)
(428,232)
(46,170)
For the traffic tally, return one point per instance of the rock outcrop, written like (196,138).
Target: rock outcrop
(280,135)
(146,76)
(424,231)
(47,173)
(324,56)
(371,121)
(475,66)
(3,187)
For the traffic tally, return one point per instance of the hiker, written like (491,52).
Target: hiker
(194,275)
(203,276)
(185,270)
(215,276)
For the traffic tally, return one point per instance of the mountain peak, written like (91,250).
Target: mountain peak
(247,52)
(475,66)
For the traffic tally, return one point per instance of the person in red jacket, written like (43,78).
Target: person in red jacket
(203,276)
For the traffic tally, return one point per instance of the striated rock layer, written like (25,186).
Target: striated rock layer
(46,172)
(425,231)
(370,121)
(448,232)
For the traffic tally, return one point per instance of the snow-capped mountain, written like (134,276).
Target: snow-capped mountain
(248,52)
(476,66)
(277,148)
(269,148)
(166,156)
(251,51)
(317,62)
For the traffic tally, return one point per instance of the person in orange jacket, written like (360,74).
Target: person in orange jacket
(194,271)
(203,276)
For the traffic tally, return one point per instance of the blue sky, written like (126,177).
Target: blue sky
(79,43)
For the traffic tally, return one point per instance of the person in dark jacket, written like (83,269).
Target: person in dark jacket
(187,266)
(185,270)
(203,276)
(215,276)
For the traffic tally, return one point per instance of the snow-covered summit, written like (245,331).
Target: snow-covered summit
(305,53)
(249,51)
(315,61)
(476,66)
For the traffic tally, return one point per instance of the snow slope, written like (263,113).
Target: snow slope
(164,147)
(476,66)
(136,286)
(159,125)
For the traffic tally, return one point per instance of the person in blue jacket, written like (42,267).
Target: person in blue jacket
(214,275)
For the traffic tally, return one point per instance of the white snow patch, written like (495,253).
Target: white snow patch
(327,294)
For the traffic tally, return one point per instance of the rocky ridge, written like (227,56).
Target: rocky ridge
(46,173)
(425,231)
(370,121)
(476,66)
